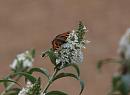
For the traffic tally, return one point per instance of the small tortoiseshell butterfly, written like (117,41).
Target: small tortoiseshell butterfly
(59,40)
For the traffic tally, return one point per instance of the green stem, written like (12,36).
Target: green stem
(50,81)
(10,86)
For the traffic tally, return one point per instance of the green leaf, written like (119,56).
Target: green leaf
(12,81)
(115,82)
(8,77)
(82,85)
(33,52)
(119,85)
(13,91)
(61,75)
(76,67)
(51,55)
(41,70)
(123,89)
(27,75)
(56,93)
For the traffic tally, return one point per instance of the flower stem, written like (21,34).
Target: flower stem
(50,80)
(10,86)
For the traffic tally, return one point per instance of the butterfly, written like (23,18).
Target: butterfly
(59,40)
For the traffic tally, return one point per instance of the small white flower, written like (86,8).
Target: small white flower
(84,28)
(27,63)
(23,91)
(24,58)
(21,56)
(43,94)
(124,45)
(72,38)
(29,87)
(14,64)
(29,84)
(87,41)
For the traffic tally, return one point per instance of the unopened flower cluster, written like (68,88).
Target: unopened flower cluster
(22,60)
(71,51)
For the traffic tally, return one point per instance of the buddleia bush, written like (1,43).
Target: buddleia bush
(68,54)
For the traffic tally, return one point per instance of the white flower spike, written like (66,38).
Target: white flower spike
(71,51)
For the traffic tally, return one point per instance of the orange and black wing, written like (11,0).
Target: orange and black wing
(59,40)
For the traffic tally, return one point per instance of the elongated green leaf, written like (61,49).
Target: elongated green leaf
(82,86)
(51,55)
(41,70)
(27,75)
(13,91)
(76,67)
(3,81)
(56,93)
(6,78)
(61,75)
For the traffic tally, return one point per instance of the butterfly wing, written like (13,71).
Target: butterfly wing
(59,40)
